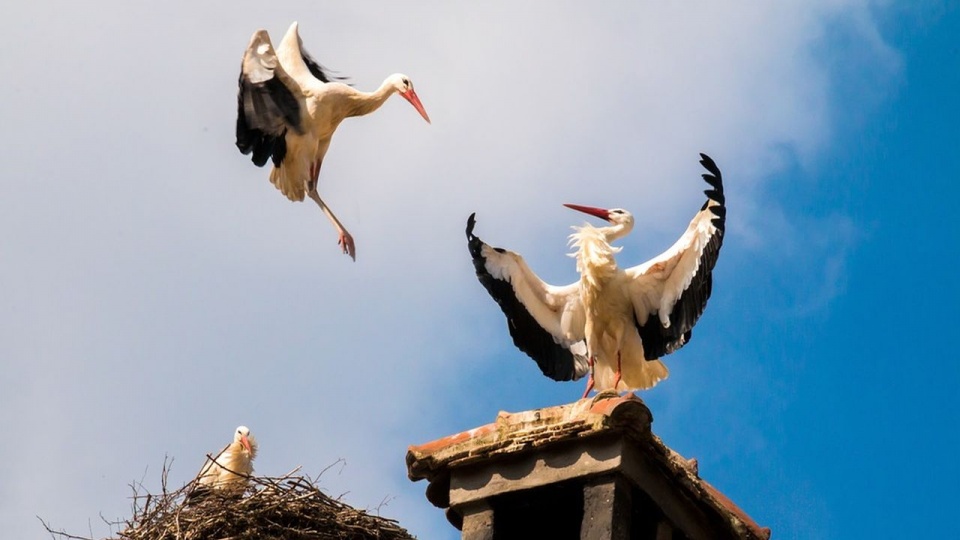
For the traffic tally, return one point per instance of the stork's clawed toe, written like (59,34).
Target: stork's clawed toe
(346,243)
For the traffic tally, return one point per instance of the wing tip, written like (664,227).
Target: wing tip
(474,244)
(709,164)
(320,71)
(714,178)
(471,222)
(259,35)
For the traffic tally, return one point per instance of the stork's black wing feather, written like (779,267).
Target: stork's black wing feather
(317,70)
(266,106)
(554,358)
(659,341)
(270,106)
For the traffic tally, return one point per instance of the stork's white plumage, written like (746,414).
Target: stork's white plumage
(231,468)
(288,108)
(614,324)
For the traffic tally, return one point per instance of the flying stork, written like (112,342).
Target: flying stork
(231,468)
(614,324)
(288,107)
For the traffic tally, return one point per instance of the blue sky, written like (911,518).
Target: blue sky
(156,291)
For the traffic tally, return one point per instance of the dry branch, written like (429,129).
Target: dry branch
(288,507)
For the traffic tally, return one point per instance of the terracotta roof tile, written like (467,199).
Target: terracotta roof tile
(514,432)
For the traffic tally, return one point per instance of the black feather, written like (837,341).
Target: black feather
(318,71)
(265,111)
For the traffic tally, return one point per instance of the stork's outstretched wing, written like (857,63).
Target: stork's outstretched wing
(545,321)
(267,103)
(670,292)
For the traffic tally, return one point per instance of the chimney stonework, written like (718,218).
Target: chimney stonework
(589,470)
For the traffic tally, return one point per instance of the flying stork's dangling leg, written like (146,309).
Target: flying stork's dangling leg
(590,361)
(346,240)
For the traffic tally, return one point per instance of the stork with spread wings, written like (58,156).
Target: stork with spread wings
(612,324)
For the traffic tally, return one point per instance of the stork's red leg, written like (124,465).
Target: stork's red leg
(345,241)
(589,387)
(314,179)
(589,379)
(314,176)
(616,380)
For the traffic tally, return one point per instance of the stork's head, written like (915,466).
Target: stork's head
(404,86)
(615,216)
(245,439)
(621,221)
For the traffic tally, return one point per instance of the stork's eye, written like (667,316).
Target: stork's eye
(406,82)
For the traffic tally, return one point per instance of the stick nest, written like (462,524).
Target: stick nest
(288,507)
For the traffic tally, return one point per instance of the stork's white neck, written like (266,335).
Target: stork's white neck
(617,231)
(366,102)
(595,256)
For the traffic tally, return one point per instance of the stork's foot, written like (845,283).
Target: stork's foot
(346,243)
(591,361)
(589,387)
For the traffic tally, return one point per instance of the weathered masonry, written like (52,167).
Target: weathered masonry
(589,470)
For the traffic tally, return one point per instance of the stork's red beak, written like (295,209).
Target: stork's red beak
(592,210)
(246,443)
(411,96)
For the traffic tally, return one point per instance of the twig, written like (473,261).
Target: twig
(61,533)
(341,461)
(291,506)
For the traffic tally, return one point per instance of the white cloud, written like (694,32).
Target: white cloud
(160,291)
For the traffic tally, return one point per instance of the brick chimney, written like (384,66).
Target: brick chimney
(589,470)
